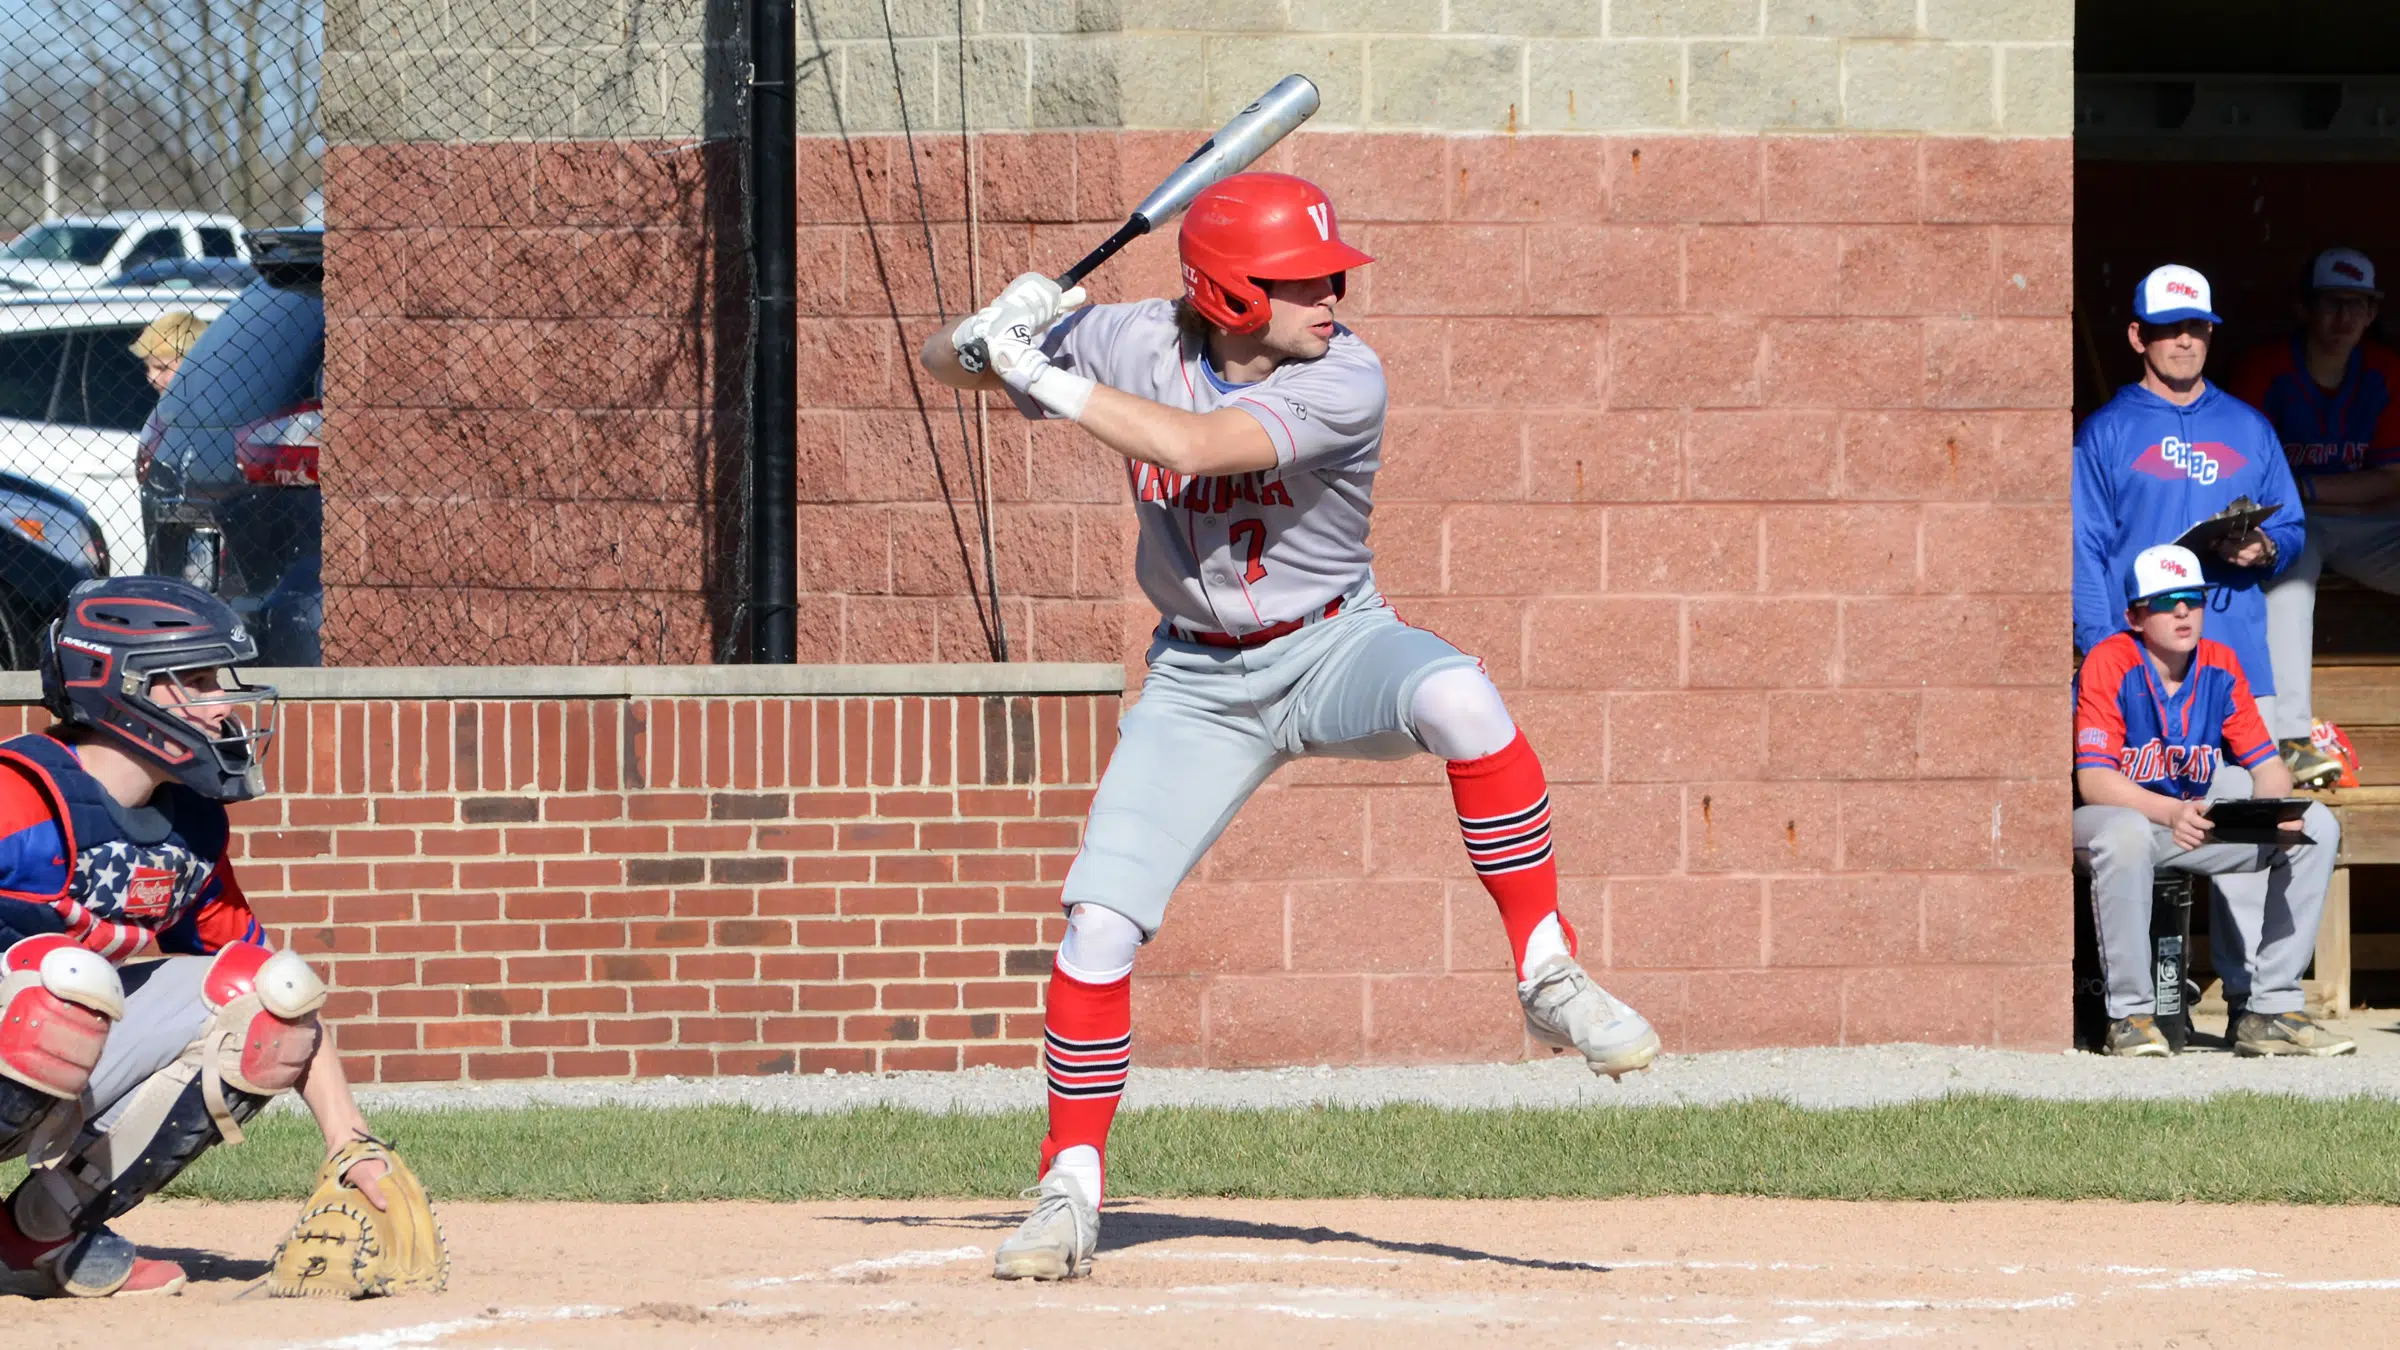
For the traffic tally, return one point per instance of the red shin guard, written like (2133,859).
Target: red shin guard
(1504,814)
(1087,1045)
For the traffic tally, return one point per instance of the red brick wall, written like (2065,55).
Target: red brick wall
(685,886)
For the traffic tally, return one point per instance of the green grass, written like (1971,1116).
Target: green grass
(2230,1149)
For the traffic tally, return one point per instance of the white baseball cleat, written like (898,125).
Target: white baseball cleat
(1566,1011)
(1056,1241)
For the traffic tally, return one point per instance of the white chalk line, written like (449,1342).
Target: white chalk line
(1263,1258)
(1932,1304)
(848,1270)
(434,1333)
(1321,1304)
(1833,1334)
(1350,1304)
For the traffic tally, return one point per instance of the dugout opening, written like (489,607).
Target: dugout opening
(2243,139)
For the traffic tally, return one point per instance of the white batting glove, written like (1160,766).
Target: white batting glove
(1037,300)
(1022,365)
(973,327)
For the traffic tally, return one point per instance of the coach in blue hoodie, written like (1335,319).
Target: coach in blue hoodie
(2167,453)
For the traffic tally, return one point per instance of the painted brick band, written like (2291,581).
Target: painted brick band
(688,886)
(691,886)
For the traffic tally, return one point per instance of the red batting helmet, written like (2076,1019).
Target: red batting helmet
(1256,227)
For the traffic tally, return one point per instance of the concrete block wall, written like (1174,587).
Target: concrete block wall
(1949,66)
(1730,363)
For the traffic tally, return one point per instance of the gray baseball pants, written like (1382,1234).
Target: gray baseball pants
(2263,920)
(1213,723)
(2365,549)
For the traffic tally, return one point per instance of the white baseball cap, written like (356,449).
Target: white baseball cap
(2343,269)
(2161,568)
(2172,294)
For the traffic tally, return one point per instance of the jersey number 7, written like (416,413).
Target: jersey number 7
(1250,536)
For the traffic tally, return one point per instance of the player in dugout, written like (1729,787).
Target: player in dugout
(2333,394)
(1251,422)
(118,1070)
(2159,710)
(2166,453)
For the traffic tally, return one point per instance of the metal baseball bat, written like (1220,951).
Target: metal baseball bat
(1236,146)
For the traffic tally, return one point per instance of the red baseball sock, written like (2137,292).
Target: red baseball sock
(1504,813)
(1087,1045)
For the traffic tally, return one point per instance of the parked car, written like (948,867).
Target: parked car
(228,462)
(73,398)
(48,543)
(79,252)
(208,274)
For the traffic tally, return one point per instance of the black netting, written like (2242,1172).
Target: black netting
(447,301)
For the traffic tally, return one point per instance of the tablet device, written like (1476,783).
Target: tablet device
(2256,820)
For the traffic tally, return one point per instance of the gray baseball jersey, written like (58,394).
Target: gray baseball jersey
(1241,552)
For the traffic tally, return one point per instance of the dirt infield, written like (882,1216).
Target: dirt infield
(1385,1274)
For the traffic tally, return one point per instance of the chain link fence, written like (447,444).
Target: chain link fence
(416,329)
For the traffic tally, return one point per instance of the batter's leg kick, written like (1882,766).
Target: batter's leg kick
(1190,752)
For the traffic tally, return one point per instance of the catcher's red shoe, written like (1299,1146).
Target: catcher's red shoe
(98,1265)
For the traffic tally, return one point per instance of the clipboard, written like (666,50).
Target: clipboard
(2235,521)
(2256,820)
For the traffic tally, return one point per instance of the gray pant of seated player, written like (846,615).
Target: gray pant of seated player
(2263,924)
(2365,549)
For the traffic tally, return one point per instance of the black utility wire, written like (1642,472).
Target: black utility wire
(995,625)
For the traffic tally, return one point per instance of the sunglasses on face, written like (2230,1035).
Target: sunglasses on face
(2169,601)
(2198,329)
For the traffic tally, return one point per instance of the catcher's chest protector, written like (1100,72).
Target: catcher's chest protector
(111,890)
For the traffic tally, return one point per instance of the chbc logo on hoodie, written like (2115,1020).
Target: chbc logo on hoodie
(2203,462)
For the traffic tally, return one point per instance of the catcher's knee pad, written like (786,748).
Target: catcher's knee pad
(264,1030)
(56,1003)
(260,1033)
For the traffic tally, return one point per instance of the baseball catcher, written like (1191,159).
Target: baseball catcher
(1251,422)
(142,1016)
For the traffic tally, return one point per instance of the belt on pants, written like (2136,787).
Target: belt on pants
(1245,641)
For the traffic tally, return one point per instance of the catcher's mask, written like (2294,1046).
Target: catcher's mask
(149,663)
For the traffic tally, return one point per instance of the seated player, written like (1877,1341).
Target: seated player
(116,1072)
(2156,708)
(1251,422)
(2333,394)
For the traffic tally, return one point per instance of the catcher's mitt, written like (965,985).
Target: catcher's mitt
(343,1247)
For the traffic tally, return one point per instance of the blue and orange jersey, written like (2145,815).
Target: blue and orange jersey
(2327,431)
(2169,743)
(110,893)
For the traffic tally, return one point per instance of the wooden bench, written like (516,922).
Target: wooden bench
(2361,692)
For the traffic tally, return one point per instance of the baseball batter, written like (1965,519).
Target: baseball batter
(1251,422)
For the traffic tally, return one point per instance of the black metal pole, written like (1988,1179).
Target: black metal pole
(774,342)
